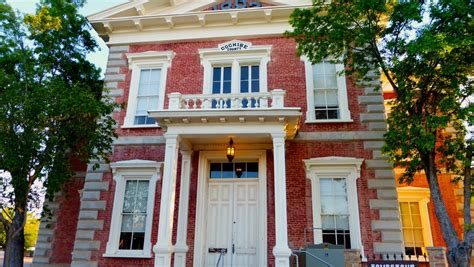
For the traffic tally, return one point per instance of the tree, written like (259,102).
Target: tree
(51,106)
(425,50)
(31,229)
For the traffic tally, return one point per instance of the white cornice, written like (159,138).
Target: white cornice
(136,164)
(328,161)
(150,57)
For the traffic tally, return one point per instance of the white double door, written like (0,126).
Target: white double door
(232,223)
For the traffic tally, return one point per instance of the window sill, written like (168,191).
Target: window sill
(120,254)
(330,121)
(140,126)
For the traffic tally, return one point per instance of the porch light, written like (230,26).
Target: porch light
(238,171)
(230,150)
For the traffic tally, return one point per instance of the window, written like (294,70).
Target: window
(148,95)
(130,229)
(241,71)
(326,93)
(413,202)
(147,86)
(335,200)
(234,170)
(334,212)
(134,213)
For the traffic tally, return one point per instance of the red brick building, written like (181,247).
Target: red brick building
(192,76)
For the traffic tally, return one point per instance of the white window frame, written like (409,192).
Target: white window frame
(255,55)
(344,113)
(336,167)
(131,170)
(137,62)
(422,196)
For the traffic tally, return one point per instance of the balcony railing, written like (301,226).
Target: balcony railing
(274,99)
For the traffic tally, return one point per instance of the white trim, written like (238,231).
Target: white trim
(422,196)
(336,167)
(258,54)
(122,171)
(201,213)
(344,113)
(137,62)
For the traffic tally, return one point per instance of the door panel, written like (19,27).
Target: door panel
(219,222)
(232,223)
(246,224)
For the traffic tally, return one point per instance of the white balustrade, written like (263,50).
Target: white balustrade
(267,100)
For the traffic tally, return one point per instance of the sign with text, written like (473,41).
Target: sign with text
(234,45)
(236,4)
(392,263)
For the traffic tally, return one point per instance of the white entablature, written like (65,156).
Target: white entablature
(162,21)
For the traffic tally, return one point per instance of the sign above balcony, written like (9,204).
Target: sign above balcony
(234,45)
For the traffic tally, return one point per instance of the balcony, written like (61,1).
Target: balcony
(267,108)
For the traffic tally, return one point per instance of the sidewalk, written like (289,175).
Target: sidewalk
(26,260)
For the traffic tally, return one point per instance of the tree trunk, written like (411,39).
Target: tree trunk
(460,256)
(15,242)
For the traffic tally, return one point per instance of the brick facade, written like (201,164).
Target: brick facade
(360,139)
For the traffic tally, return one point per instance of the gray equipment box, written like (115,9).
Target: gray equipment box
(332,254)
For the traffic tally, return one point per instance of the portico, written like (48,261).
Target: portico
(208,130)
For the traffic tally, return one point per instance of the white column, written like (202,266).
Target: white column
(163,247)
(281,251)
(181,247)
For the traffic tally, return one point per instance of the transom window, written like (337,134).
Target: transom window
(234,170)
(335,212)
(148,95)
(325,91)
(134,213)
(412,228)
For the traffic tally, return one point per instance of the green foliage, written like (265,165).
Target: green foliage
(51,108)
(31,229)
(51,105)
(426,52)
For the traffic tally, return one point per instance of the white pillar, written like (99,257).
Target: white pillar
(181,247)
(281,251)
(163,247)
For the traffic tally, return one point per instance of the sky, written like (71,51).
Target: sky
(99,58)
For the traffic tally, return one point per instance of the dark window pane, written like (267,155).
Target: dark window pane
(418,251)
(255,72)
(227,73)
(149,120)
(215,170)
(138,241)
(216,87)
(409,251)
(140,119)
(348,241)
(125,241)
(321,114)
(244,73)
(227,87)
(329,238)
(244,86)
(216,75)
(240,168)
(255,86)
(228,170)
(252,170)
(333,114)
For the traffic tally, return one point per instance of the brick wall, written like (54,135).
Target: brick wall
(285,71)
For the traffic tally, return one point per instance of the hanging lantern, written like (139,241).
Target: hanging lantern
(230,150)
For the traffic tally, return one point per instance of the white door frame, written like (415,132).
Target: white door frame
(201,209)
